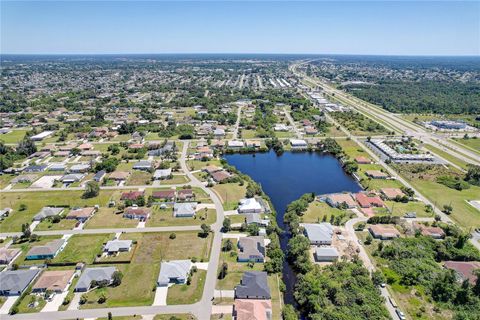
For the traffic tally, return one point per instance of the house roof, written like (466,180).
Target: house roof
(367,201)
(220,175)
(132,195)
(185,192)
(318,232)
(137,211)
(326,252)
(384,230)
(249,204)
(143,164)
(174,270)
(253,284)
(56,280)
(164,194)
(6,254)
(161,173)
(184,208)
(338,198)
(253,309)
(392,193)
(376,174)
(49,248)
(81,213)
(117,245)
(97,274)
(17,280)
(464,269)
(251,247)
(47,212)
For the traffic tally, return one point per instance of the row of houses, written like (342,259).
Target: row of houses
(79,214)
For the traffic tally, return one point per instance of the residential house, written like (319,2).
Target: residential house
(318,233)
(252,309)
(464,270)
(72,178)
(362,160)
(115,246)
(376,174)
(252,249)
(185,195)
(368,201)
(98,177)
(383,232)
(184,209)
(249,205)
(132,195)
(46,251)
(141,214)
(428,231)
(15,282)
(256,218)
(326,254)
(220,176)
(47,212)
(24,178)
(167,195)
(119,175)
(35,168)
(161,174)
(254,285)
(235,144)
(7,255)
(79,168)
(57,281)
(81,214)
(341,199)
(176,271)
(143,165)
(94,275)
(391,193)
(298,144)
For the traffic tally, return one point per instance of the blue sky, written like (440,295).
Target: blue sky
(341,27)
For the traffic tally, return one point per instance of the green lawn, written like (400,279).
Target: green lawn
(249,134)
(230,194)
(399,208)
(447,156)
(352,149)
(82,248)
(235,269)
(187,294)
(463,213)
(64,224)
(139,277)
(139,178)
(13,137)
(472,144)
(176,179)
(107,218)
(318,210)
(35,201)
(197,164)
(31,303)
(164,217)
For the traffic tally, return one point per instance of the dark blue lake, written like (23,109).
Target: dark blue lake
(285,178)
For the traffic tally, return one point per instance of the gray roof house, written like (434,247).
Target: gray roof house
(98,274)
(254,285)
(255,217)
(323,254)
(114,246)
(79,168)
(47,212)
(36,168)
(13,283)
(251,249)
(184,209)
(175,271)
(46,251)
(318,233)
(143,165)
(99,175)
(72,177)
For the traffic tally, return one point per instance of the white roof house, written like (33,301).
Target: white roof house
(235,144)
(41,136)
(175,271)
(298,143)
(249,205)
(326,254)
(318,233)
(162,173)
(184,209)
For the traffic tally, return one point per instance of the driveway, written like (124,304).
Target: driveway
(55,303)
(224,293)
(160,296)
(75,303)
(222,309)
(8,304)
(233,235)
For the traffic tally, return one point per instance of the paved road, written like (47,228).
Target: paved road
(237,123)
(101,188)
(292,123)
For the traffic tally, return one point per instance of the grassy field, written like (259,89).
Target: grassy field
(107,218)
(139,178)
(249,134)
(235,269)
(230,194)
(83,248)
(35,201)
(37,304)
(375,184)
(187,294)
(139,277)
(318,210)
(13,137)
(176,179)
(352,149)
(447,156)
(463,213)
(472,144)
(164,217)
(197,164)
(64,224)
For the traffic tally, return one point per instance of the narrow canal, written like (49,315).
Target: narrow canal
(285,178)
